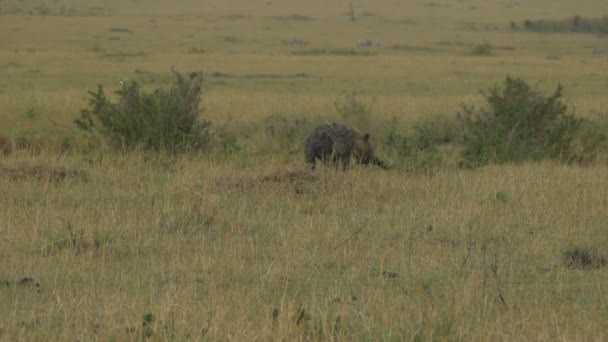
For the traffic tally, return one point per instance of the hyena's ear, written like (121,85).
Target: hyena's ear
(366,137)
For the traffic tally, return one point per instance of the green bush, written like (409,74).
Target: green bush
(168,120)
(518,124)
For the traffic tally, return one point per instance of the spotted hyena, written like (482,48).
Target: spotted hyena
(335,143)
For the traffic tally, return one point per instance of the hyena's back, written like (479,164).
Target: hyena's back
(330,142)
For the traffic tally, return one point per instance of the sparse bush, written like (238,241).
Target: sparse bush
(354,111)
(162,120)
(518,124)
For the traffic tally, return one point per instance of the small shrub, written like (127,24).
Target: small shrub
(518,124)
(501,196)
(162,120)
(147,326)
(31,113)
(580,257)
(484,49)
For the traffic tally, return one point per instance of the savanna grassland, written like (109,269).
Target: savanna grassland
(243,242)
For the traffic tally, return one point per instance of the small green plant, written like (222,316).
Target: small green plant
(373,271)
(31,113)
(501,196)
(428,282)
(518,124)
(162,120)
(147,325)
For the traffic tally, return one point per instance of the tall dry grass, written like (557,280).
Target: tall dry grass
(281,253)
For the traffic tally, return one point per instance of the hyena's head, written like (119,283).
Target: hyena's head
(363,149)
(364,152)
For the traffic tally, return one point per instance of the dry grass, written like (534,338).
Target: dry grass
(379,254)
(255,246)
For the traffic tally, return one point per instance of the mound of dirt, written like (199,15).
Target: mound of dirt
(41,172)
(300,181)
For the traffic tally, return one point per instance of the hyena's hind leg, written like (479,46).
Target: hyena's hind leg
(345,162)
(311,154)
(311,161)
